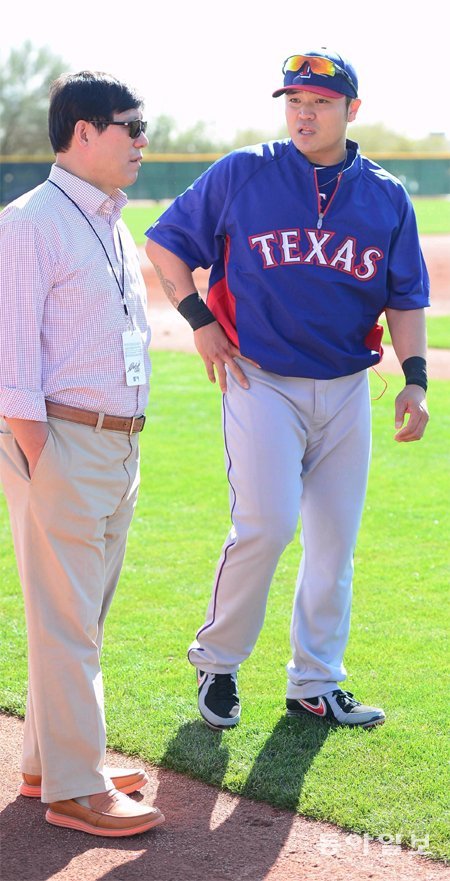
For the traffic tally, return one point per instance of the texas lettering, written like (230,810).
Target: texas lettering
(282,247)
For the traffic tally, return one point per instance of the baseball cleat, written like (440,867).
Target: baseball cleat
(337,706)
(218,699)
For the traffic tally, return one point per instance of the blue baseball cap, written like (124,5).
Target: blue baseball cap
(330,75)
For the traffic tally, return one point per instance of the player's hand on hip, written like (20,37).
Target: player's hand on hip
(218,353)
(411,400)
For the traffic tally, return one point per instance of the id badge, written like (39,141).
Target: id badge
(133,353)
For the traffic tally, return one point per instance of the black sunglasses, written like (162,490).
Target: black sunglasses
(135,126)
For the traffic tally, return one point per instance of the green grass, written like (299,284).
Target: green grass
(138,218)
(385,782)
(433,216)
(438,331)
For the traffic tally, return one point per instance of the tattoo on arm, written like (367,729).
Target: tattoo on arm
(169,287)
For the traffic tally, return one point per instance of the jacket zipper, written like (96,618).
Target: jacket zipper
(322,213)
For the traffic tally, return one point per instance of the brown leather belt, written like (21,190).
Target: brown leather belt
(129,424)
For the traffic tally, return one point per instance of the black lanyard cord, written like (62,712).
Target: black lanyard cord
(120,286)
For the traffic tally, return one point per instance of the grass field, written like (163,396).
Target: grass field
(433,216)
(386,782)
(438,331)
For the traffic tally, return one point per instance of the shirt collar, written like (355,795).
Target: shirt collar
(90,199)
(352,167)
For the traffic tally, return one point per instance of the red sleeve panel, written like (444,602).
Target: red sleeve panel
(222,301)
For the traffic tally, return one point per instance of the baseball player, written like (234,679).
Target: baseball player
(309,241)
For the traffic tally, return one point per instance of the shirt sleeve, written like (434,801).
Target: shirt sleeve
(408,280)
(25,279)
(193,227)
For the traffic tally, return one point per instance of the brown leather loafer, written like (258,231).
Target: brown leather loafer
(111,814)
(125,779)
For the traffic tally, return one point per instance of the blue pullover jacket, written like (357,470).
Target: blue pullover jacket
(298,293)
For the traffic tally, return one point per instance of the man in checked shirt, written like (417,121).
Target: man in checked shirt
(74,372)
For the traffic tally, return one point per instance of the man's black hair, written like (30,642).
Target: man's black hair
(90,95)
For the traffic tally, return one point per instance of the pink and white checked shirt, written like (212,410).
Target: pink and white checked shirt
(61,311)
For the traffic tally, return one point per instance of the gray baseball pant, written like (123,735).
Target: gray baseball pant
(293,446)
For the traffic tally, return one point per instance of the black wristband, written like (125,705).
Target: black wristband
(415,370)
(195,311)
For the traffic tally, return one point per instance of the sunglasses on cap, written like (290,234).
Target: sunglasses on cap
(135,126)
(317,65)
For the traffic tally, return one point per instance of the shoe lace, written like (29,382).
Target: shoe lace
(346,699)
(225,686)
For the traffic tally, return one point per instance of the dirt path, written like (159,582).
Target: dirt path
(208,836)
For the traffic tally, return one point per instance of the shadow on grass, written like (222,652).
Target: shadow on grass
(280,768)
(278,772)
(224,839)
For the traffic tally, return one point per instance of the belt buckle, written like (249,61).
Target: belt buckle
(134,419)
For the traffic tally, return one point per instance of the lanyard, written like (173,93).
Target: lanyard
(119,285)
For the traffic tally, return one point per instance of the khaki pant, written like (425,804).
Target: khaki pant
(69,524)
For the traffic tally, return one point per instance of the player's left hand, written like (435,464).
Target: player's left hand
(412,401)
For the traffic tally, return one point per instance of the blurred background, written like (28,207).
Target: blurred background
(207,71)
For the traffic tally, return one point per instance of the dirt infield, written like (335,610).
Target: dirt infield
(170,330)
(208,836)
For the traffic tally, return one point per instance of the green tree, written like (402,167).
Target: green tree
(160,133)
(377,138)
(254,136)
(165,137)
(25,79)
(198,139)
